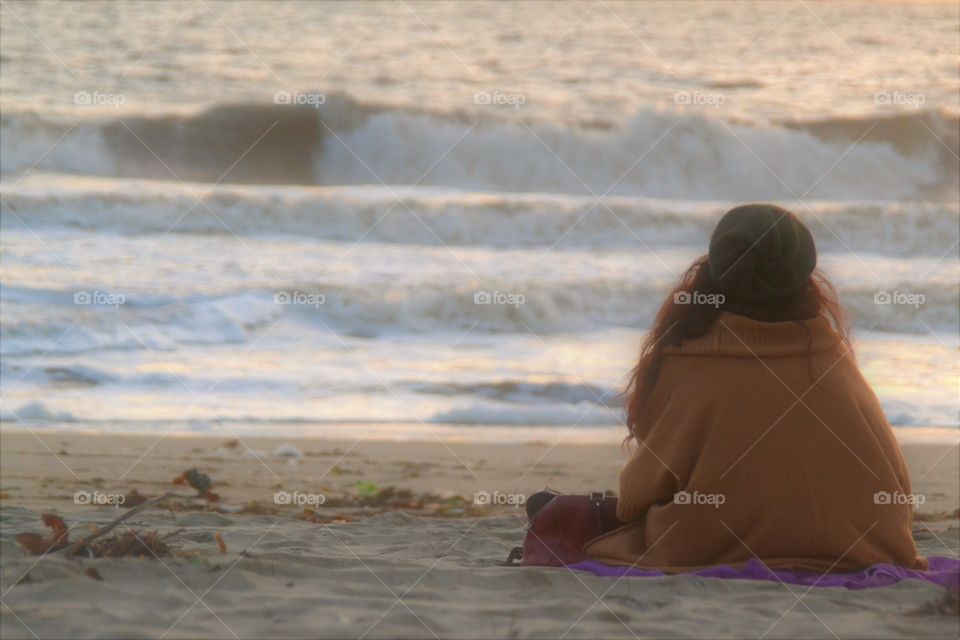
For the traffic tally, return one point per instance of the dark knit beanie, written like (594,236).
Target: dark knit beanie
(761,252)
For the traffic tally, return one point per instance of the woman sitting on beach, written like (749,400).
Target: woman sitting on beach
(757,435)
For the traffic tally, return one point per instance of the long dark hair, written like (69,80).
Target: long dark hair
(676,322)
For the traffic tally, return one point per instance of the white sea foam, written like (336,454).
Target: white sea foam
(428,216)
(499,414)
(414,307)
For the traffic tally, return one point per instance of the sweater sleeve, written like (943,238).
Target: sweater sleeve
(644,481)
(651,475)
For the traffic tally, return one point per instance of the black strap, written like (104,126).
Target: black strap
(596,499)
(513,560)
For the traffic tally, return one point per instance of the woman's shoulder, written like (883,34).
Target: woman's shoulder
(740,336)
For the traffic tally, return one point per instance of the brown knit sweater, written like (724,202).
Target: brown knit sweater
(781,446)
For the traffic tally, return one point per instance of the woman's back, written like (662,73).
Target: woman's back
(763,440)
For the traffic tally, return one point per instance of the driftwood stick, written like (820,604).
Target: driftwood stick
(104,530)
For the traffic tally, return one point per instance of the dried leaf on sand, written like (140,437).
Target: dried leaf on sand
(310,515)
(130,544)
(134,498)
(37,545)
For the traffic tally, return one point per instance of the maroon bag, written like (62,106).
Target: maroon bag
(561,525)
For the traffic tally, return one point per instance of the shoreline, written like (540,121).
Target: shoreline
(69,459)
(418,431)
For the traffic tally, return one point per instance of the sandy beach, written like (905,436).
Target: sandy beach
(390,570)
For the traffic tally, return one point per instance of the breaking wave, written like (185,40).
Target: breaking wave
(656,153)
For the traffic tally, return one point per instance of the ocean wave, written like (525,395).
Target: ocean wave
(524,391)
(53,324)
(505,414)
(656,153)
(367,310)
(909,133)
(34,412)
(429,216)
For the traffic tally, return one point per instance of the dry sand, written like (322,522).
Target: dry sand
(394,574)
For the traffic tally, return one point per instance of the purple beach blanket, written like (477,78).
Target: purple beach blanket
(943,571)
